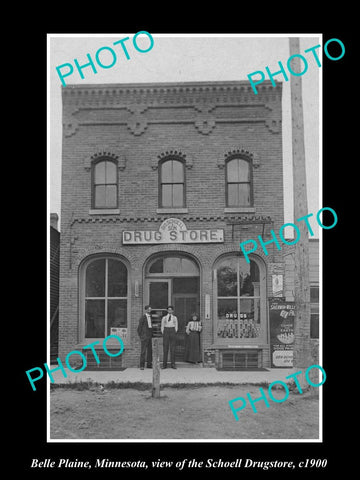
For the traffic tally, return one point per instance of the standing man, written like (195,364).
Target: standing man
(169,327)
(144,331)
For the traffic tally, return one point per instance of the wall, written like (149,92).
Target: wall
(54,289)
(138,125)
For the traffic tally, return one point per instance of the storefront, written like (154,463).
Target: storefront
(160,184)
(211,279)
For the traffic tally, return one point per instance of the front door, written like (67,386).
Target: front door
(159,295)
(185,304)
(183,294)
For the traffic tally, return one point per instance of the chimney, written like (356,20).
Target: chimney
(54,217)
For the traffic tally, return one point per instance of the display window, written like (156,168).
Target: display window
(104,297)
(240,299)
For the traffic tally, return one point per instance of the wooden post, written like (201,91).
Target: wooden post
(156,368)
(302,351)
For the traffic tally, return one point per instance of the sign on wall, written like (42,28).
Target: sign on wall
(277,285)
(172,230)
(120,332)
(209,358)
(282,316)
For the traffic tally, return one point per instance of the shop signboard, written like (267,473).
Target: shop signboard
(282,316)
(172,230)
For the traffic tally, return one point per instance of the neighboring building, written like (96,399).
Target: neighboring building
(160,183)
(54,284)
(314,278)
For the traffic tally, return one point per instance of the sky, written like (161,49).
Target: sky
(187,58)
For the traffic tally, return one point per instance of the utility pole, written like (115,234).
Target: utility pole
(302,350)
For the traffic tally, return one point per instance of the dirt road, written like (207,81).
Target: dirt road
(180,413)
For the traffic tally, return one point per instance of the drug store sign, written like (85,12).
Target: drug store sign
(172,230)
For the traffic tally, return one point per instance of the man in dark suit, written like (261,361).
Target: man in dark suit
(144,331)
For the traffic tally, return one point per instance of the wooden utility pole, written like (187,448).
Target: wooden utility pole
(156,368)
(302,350)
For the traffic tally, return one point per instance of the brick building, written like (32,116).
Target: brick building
(160,183)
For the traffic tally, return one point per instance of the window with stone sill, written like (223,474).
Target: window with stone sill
(104,184)
(171,183)
(238,188)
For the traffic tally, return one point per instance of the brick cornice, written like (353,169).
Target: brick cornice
(229,219)
(169,93)
(205,105)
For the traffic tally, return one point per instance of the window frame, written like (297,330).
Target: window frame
(93,185)
(82,297)
(250,182)
(315,311)
(163,257)
(161,183)
(262,297)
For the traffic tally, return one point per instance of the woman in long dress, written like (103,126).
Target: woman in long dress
(192,343)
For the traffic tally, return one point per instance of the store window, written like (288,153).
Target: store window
(105,297)
(104,184)
(172,183)
(238,183)
(239,300)
(314,311)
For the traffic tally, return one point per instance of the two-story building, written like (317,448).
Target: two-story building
(160,183)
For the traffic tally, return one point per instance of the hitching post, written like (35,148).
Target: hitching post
(156,368)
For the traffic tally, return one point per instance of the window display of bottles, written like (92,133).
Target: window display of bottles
(233,327)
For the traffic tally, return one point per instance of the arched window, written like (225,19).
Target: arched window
(172,183)
(240,295)
(105,296)
(238,183)
(104,184)
(173,265)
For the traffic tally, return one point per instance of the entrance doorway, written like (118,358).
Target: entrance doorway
(184,306)
(174,280)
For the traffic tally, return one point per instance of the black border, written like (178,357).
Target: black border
(31,227)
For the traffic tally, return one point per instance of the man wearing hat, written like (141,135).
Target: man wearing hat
(144,331)
(169,327)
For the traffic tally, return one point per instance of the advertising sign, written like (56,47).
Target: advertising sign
(282,315)
(120,332)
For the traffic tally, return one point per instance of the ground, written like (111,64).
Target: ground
(179,413)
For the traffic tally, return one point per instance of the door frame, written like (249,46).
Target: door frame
(157,280)
(196,296)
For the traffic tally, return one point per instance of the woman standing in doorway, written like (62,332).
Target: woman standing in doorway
(192,343)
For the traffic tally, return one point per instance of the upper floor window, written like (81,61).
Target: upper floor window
(172,184)
(105,184)
(238,183)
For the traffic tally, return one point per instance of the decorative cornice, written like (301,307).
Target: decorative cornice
(70,122)
(228,219)
(163,93)
(204,105)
